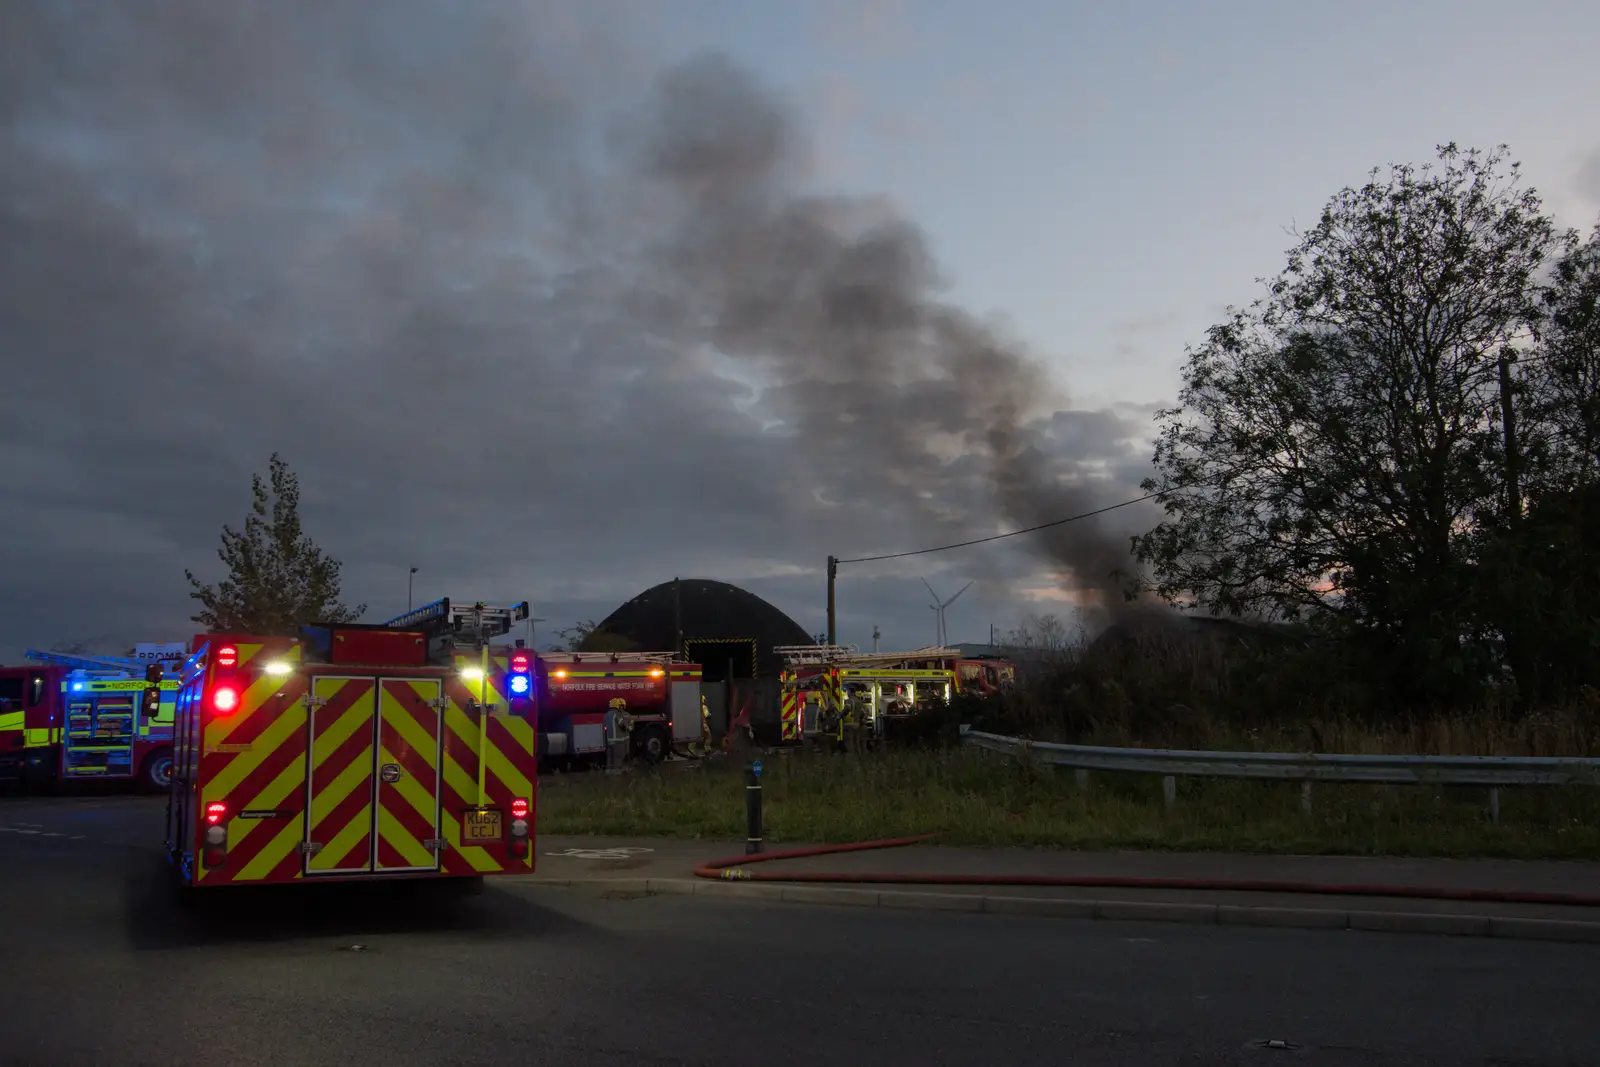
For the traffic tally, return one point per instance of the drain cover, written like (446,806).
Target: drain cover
(1274,1044)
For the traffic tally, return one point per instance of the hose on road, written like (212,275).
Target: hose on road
(736,870)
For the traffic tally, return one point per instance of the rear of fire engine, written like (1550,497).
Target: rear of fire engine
(356,752)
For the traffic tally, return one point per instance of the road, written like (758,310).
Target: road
(104,970)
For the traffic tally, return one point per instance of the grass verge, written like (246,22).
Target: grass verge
(978,798)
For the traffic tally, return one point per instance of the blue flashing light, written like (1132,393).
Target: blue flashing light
(77,687)
(519,685)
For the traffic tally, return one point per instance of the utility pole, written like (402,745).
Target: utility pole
(833,575)
(1508,421)
(874,639)
(410,578)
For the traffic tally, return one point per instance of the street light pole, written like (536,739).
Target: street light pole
(410,578)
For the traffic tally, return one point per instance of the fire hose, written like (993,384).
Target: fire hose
(737,869)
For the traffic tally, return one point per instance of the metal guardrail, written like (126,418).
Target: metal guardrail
(1492,771)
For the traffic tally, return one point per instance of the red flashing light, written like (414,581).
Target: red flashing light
(657,672)
(224,699)
(519,808)
(519,663)
(215,811)
(227,656)
(561,674)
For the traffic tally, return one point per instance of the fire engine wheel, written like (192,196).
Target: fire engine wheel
(651,745)
(156,774)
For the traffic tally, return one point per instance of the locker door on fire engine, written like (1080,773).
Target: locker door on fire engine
(343,726)
(410,734)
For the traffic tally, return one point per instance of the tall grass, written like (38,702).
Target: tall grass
(979,798)
(1220,687)
(1236,688)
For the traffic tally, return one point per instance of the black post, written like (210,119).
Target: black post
(752,810)
(833,573)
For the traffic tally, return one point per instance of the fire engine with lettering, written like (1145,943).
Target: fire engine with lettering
(659,690)
(75,717)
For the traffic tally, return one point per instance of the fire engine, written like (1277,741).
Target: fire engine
(75,717)
(401,750)
(886,686)
(661,691)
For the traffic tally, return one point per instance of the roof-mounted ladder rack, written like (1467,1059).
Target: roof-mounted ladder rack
(475,620)
(612,657)
(120,666)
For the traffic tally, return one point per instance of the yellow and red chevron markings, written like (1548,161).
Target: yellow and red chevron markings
(372,773)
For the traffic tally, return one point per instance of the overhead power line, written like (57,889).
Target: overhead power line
(997,537)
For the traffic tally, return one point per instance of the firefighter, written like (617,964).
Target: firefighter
(618,723)
(705,726)
(847,721)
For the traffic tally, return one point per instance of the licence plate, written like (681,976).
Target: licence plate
(482,826)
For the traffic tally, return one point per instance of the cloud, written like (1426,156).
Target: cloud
(1588,177)
(480,274)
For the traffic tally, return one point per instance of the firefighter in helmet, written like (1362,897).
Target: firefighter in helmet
(618,726)
(705,726)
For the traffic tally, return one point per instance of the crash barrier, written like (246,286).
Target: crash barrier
(1494,772)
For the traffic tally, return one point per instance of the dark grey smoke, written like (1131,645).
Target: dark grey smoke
(404,242)
(839,302)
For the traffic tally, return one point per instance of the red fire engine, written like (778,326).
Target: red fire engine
(661,693)
(404,750)
(75,717)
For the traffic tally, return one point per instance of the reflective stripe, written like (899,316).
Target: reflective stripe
(38,738)
(13,720)
(121,687)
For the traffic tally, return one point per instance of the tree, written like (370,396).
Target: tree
(1337,445)
(587,636)
(278,579)
(1549,562)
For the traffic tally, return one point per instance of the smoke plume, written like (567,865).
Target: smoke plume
(838,301)
(317,226)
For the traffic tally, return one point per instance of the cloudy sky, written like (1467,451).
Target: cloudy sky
(556,301)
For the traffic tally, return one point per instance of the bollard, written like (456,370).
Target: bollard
(752,808)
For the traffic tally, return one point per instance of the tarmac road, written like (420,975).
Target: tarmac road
(103,969)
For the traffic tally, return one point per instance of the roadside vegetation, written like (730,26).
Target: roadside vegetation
(977,798)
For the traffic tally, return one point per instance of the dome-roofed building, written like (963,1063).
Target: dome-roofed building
(717,625)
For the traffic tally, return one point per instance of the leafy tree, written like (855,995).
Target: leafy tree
(278,580)
(1549,560)
(1337,444)
(587,636)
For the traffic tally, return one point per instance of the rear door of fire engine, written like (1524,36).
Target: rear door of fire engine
(372,794)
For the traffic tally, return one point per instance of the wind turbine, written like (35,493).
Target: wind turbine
(939,606)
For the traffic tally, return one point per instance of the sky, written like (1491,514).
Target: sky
(555,302)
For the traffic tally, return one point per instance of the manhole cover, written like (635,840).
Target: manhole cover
(1275,1044)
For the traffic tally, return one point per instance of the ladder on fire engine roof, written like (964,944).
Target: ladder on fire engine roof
(847,656)
(119,666)
(471,622)
(611,657)
(812,655)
